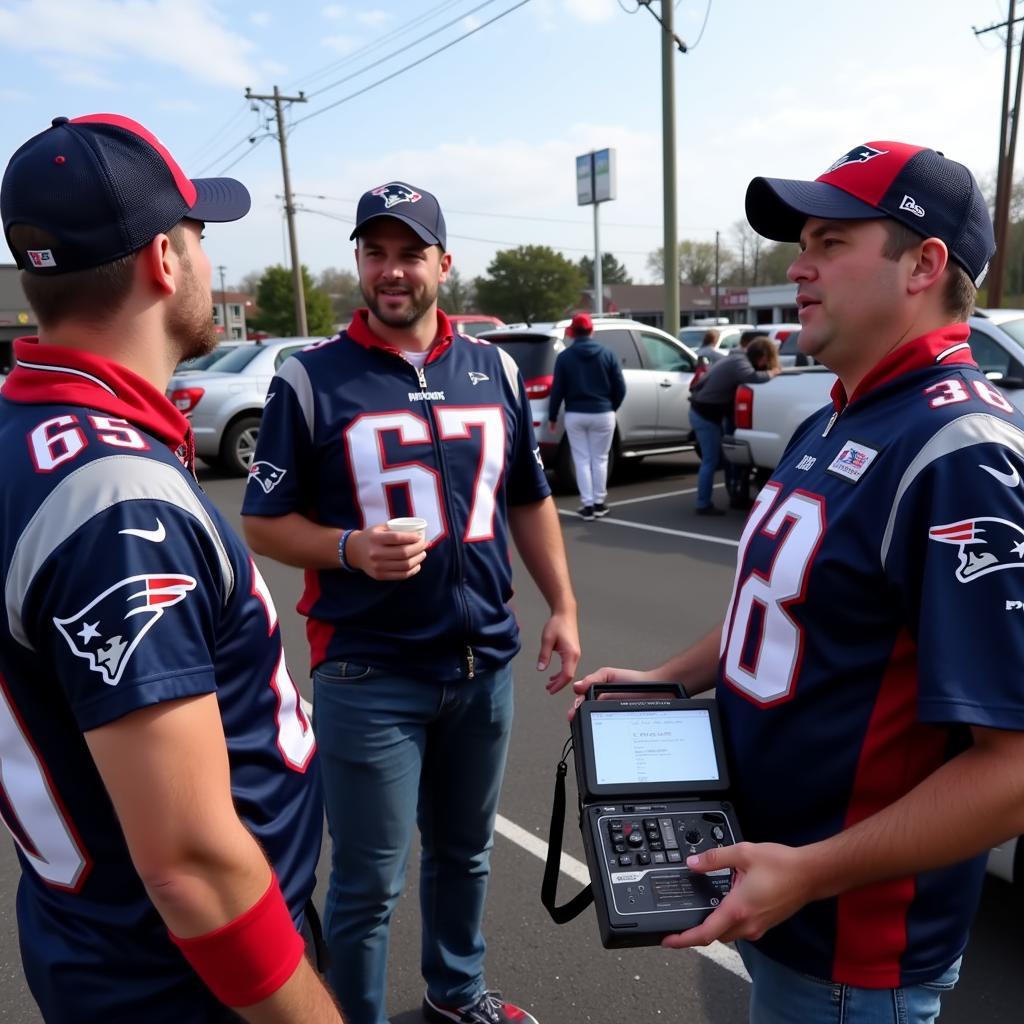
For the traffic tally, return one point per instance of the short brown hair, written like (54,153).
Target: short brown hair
(94,295)
(959,294)
(710,339)
(764,348)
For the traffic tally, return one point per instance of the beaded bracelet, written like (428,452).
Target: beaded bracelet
(342,560)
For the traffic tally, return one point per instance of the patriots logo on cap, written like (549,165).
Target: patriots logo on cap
(395,193)
(987,544)
(41,257)
(858,155)
(108,630)
(267,475)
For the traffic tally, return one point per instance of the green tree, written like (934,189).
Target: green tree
(532,282)
(774,261)
(342,288)
(612,271)
(696,263)
(456,294)
(275,297)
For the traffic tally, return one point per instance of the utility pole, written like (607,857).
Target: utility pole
(1007,152)
(669,40)
(716,277)
(223,302)
(289,208)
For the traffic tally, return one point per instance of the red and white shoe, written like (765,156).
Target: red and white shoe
(488,1008)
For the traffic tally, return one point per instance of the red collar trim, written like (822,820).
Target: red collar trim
(52,374)
(360,332)
(948,345)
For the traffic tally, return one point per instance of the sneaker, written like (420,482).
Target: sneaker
(489,1008)
(601,509)
(587,513)
(710,510)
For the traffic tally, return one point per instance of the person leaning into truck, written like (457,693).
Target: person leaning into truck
(865,670)
(755,359)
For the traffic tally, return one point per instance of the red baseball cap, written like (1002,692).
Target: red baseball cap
(581,324)
(919,187)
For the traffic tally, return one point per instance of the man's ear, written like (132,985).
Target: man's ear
(932,260)
(158,262)
(446,265)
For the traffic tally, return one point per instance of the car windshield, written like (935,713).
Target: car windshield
(534,354)
(693,336)
(236,359)
(1015,329)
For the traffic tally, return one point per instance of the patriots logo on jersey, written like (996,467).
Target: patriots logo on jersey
(108,630)
(266,474)
(987,544)
(477,378)
(393,194)
(859,155)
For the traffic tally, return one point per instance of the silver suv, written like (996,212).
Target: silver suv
(225,403)
(653,419)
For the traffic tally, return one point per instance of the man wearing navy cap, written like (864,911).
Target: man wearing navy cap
(866,669)
(159,775)
(411,630)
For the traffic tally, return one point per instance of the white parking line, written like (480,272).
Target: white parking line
(724,956)
(659,529)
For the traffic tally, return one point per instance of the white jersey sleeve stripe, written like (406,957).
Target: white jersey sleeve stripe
(85,493)
(293,371)
(974,428)
(511,368)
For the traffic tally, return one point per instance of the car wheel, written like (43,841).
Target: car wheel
(239,446)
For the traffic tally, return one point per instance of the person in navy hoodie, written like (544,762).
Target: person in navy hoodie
(589,380)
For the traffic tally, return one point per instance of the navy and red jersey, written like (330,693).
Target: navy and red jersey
(876,617)
(353,435)
(125,588)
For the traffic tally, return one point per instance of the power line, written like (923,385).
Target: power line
(255,142)
(707,12)
(415,63)
(408,46)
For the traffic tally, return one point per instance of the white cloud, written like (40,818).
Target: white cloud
(373,19)
(261,19)
(341,44)
(81,74)
(592,10)
(186,34)
(471,22)
(335,12)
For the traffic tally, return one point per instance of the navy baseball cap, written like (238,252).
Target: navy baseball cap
(413,206)
(103,187)
(919,187)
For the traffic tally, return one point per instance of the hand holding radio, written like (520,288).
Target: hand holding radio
(769,885)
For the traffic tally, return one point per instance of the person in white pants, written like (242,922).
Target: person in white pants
(588,378)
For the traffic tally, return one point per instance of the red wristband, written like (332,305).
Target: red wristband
(251,957)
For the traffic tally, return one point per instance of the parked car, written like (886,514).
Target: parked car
(728,335)
(474,323)
(206,362)
(790,354)
(225,404)
(778,332)
(653,419)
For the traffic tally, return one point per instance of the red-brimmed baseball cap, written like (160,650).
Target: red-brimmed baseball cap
(919,187)
(581,324)
(104,187)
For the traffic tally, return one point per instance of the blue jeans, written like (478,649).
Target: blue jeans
(397,752)
(780,995)
(709,437)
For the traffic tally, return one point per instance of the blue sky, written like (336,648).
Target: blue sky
(492,125)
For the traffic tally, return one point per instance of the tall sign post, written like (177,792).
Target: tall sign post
(596,184)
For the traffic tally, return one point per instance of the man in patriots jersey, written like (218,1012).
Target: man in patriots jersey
(411,638)
(157,771)
(866,668)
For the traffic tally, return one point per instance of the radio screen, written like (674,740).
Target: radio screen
(653,746)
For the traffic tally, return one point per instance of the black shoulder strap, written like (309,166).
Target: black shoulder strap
(583,899)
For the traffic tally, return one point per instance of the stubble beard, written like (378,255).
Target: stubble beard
(412,316)
(190,320)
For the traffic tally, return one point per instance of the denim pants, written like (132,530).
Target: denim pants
(397,752)
(781,995)
(709,437)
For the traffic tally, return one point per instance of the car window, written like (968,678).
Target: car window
(990,356)
(1014,328)
(661,354)
(237,359)
(534,353)
(474,327)
(788,347)
(285,353)
(693,336)
(622,344)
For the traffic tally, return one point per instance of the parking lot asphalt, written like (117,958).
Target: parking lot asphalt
(650,578)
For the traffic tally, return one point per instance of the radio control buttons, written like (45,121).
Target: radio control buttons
(717,833)
(693,837)
(635,839)
(625,860)
(643,858)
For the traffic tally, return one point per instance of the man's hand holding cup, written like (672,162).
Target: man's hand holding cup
(389,551)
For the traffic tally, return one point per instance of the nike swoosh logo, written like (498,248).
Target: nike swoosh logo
(156,536)
(1011,479)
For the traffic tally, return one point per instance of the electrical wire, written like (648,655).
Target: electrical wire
(255,144)
(635,9)
(707,12)
(408,46)
(415,63)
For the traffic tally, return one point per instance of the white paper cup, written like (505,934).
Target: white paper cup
(408,524)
